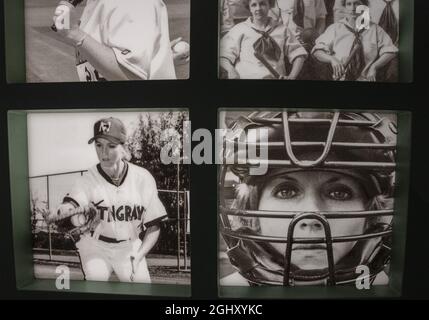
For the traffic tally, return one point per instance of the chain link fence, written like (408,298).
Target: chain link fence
(51,246)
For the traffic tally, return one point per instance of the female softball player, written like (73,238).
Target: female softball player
(385,13)
(124,198)
(256,48)
(323,208)
(120,40)
(355,54)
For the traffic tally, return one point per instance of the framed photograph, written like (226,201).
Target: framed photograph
(334,40)
(310,199)
(97,40)
(98,204)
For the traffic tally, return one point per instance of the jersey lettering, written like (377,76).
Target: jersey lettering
(88,73)
(121,213)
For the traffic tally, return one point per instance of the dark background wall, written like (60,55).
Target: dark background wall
(203,94)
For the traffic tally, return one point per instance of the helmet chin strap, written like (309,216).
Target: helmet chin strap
(261,264)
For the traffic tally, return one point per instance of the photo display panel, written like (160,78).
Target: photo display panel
(334,40)
(307,198)
(107,203)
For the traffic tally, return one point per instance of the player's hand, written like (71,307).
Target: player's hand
(134,261)
(179,58)
(371,74)
(233,74)
(45,214)
(66,21)
(286,77)
(133,267)
(337,68)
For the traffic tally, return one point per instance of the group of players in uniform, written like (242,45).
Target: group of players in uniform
(309,39)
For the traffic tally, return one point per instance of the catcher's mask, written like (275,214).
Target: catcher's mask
(360,145)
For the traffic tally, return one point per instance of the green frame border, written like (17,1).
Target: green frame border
(406,41)
(394,288)
(14,34)
(22,239)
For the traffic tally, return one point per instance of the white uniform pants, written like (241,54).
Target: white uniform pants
(100,258)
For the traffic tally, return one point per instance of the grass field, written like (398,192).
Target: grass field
(162,268)
(48,59)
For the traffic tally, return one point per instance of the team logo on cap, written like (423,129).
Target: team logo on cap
(105,126)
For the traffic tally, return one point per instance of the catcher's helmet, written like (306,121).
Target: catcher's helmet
(360,145)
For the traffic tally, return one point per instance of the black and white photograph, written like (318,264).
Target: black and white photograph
(321,213)
(107,40)
(104,205)
(337,40)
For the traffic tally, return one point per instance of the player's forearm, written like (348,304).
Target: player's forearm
(226,64)
(383,60)
(322,56)
(104,60)
(296,67)
(149,241)
(320,25)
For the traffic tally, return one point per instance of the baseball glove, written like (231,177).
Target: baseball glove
(75,222)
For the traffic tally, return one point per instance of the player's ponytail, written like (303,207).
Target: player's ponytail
(126,154)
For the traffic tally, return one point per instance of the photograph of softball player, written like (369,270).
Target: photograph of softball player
(330,31)
(323,208)
(112,211)
(107,40)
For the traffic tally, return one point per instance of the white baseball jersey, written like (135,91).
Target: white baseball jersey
(136,30)
(124,209)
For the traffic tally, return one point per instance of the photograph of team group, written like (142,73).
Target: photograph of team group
(342,40)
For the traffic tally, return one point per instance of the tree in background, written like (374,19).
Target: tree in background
(154,130)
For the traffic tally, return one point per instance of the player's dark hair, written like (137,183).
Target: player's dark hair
(364,2)
(271,3)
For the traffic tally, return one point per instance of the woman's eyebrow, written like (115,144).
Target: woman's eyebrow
(287,178)
(333,179)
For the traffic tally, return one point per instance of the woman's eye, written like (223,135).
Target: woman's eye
(286,192)
(340,194)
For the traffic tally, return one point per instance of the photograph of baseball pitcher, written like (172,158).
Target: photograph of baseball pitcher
(322,213)
(126,218)
(107,40)
(341,40)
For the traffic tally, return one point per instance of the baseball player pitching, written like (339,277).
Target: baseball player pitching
(119,40)
(116,208)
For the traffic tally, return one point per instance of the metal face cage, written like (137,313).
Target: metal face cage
(376,127)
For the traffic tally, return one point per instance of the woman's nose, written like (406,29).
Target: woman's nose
(310,225)
(311,202)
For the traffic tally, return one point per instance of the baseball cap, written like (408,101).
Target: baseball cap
(111,129)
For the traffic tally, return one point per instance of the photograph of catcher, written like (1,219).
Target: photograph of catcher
(322,213)
(342,40)
(102,202)
(105,40)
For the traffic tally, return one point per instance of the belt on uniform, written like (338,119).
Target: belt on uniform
(107,239)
